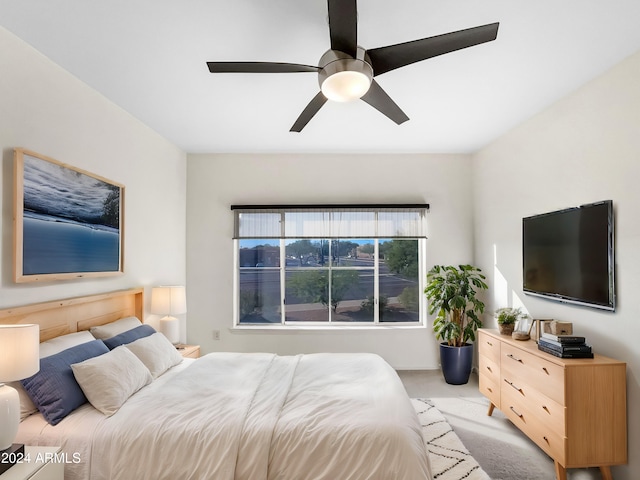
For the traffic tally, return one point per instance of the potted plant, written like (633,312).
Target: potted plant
(507,318)
(451,292)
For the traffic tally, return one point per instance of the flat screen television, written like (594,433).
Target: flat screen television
(568,255)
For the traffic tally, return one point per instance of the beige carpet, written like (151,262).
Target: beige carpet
(450,460)
(503,451)
(500,448)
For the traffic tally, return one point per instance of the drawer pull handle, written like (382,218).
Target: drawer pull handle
(514,358)
(545,370)
(490,344)
(514,411)
(489,388)
(514,386)
(546,439)
(544,407)
(489,368)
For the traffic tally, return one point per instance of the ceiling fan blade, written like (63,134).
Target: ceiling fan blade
(308,113)
(259,67)
(343,26)
(378,99)
(385,59)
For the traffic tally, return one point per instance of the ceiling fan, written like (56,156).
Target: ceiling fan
(346,71)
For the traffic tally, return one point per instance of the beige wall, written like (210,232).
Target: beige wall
(47,110)
(584,148)
(218,181)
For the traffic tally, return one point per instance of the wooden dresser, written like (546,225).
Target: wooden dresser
(574,409)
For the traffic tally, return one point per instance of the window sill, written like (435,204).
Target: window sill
(320,328)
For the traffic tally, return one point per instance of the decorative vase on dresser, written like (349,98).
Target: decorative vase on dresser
(572,408)
(506,328)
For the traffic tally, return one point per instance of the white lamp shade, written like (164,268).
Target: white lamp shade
(168,300)
(19,351)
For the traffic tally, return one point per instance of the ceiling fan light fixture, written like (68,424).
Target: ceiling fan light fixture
(343,78)
(346,86)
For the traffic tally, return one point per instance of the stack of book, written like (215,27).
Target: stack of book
(564,346)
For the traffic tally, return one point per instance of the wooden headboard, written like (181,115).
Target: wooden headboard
(59,317)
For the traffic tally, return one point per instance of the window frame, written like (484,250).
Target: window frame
(330,323)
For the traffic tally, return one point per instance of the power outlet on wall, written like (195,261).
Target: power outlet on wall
(216,334)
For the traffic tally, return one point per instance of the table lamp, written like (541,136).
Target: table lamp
(19,358)
(169,301)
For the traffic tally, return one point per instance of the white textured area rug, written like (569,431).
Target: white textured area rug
(450,460)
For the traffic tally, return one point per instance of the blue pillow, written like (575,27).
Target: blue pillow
(129,336)
(54,389)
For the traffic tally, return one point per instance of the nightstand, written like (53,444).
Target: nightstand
(189,351)
(38,463)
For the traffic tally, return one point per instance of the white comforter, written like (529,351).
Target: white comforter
(261,416)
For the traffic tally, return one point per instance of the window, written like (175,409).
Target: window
(330,265)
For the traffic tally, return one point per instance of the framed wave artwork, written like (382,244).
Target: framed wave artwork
(68,223)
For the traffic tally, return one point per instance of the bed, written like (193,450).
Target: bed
(223,416)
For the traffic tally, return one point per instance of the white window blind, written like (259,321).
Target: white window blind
(350,221)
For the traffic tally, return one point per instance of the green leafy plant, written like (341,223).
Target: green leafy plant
(509,316)
(409,299)
(369,305)
(451,292)
(401,256)
(250,302)
(313,286)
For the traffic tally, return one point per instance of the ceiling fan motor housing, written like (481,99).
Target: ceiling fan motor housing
(344,78)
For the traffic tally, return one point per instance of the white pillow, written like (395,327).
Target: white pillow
(108,330)
(27,407)
(58,344)
(156,352)
(110,379)
(48,348)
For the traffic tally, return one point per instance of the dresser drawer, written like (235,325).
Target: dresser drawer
(544,376)
(488,367)
(490,389)
(548,439)
(539,406)
(489,347)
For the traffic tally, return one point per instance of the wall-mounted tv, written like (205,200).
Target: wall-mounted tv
(568,255)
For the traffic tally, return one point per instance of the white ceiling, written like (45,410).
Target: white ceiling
(149,57)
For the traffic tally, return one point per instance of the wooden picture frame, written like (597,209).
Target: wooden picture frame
(68,223)
(541,326)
